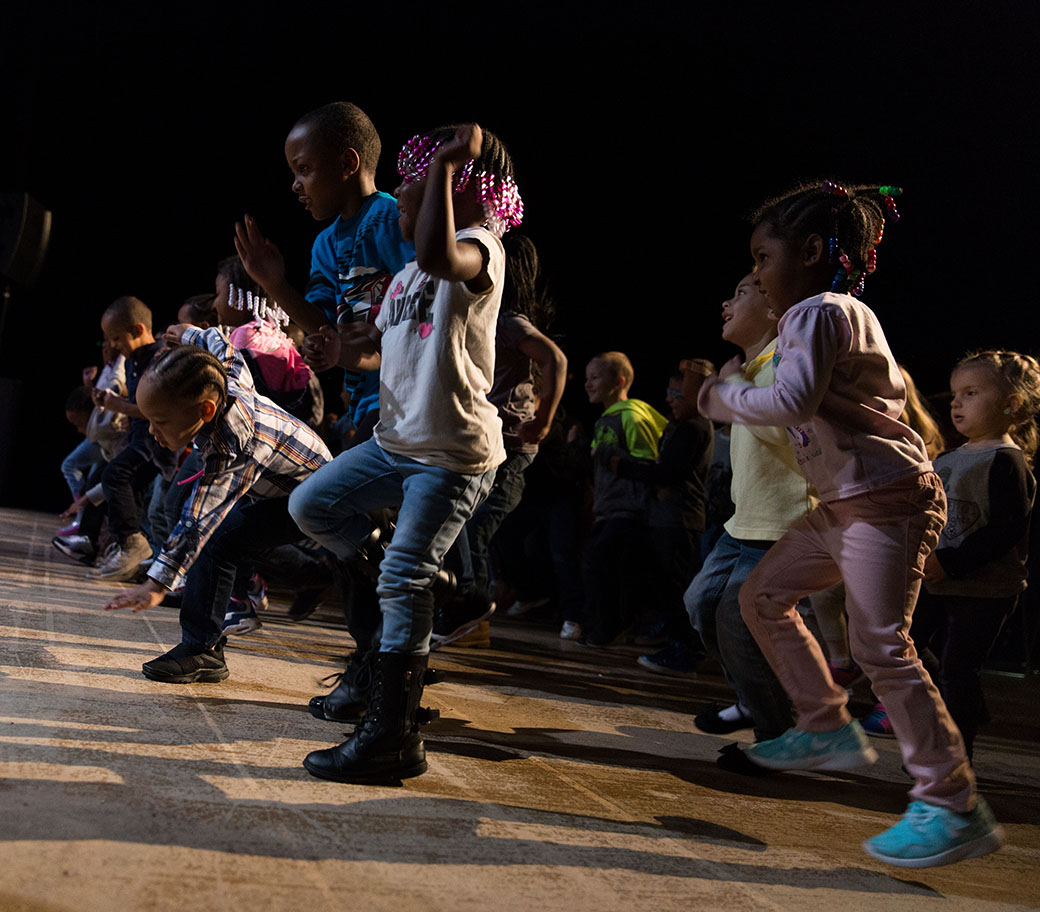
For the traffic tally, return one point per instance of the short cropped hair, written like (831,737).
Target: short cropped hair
(341,126)
(80,401)
(620,366)
(128,311)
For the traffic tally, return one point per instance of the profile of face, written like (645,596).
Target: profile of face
(320,174)
(409,202)
(121,337)
(601,382)
(786,274)
(746,317)
(978,403)
(172,422)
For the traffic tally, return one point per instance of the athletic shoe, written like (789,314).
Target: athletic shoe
(457,618)
(478,638)
(929,836)
(844,749)
(241,618)
(711,720)
(846,676)
(185,664)
(124,561)
(877,724)
(571,630)
(679,659)
(72,529)
(520,608)
(78,547)
(257,592)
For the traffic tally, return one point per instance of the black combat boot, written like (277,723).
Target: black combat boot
(386,745)
(349,700)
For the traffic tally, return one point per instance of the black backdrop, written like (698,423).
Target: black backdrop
(643,133)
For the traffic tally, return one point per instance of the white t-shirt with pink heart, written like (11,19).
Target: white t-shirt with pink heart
(438,366)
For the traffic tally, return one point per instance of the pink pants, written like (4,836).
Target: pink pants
(877,543)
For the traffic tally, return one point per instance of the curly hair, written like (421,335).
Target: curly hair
(1019,377)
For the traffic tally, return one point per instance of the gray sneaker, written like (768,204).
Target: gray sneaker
(124,561)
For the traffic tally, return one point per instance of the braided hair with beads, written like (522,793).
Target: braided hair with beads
(851,219)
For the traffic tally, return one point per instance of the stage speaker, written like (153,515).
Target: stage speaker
(25,231)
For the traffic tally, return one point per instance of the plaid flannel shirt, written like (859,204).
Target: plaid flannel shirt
(254,448)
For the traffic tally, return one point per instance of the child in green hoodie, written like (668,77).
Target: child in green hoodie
(615,564)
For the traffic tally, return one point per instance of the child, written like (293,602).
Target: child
(627,429)
(127,325)
(333,152)
(839,392)
(675,519)
(769,494)
(522,354)
(199,310)
(978,570)
(201,391)
(438,440)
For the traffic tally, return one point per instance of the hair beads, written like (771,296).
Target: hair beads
(500,197)
(270,315)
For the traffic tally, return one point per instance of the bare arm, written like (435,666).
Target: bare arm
(553,363)
(106,399)
(436,249)
(264,262)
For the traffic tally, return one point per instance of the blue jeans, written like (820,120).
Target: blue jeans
(711,601)
(78,465)
(332,507)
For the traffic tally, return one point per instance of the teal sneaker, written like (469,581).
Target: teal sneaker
(929,836)
(844,749)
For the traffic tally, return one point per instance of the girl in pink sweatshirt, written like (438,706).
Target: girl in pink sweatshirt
(839,392)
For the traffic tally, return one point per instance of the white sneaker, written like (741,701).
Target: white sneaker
(571,630)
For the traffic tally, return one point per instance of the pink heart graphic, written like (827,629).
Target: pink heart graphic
(425,329)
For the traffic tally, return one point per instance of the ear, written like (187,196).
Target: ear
(137,330)
(351,162)
(812,250)
(207,409)
(1014,402)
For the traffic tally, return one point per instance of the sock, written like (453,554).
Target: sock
(732,713)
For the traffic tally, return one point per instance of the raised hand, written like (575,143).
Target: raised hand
(468,141)
(261,258)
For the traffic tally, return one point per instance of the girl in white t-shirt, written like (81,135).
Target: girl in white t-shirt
(840,394)
(439,440)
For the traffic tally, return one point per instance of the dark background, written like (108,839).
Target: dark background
(642,133)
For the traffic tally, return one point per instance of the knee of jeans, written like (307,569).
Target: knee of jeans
(304,508)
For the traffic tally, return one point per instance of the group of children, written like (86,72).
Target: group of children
(415,296)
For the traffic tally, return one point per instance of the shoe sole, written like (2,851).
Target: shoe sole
(848,760)
(437,641)
(976,848)
(243,628)
(644,662)
(390,777)
(202,676)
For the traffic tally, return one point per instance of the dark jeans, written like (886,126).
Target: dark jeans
(469,556)
(711,601)
(676,559)
(960,631)
(616,571)
(248,530)
(126,482)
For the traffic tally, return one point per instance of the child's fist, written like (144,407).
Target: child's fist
(468,141)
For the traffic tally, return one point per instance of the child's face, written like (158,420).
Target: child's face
(746,316)
(173,424)
(409,201)
(783,274)
(600,381)
(121,337)
(977,407)
(319,177)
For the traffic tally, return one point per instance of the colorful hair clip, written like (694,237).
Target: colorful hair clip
(887,190)
(832,246)
(829,186)
(871,261)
